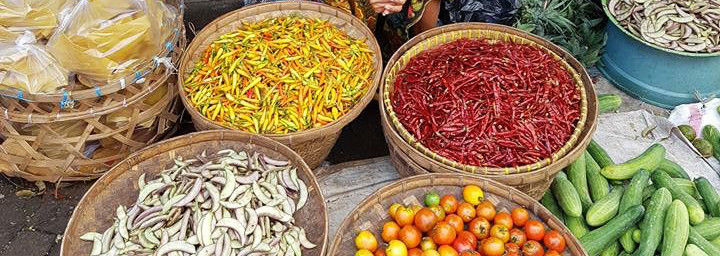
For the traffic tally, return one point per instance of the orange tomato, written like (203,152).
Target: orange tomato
(393,209)
(396,248)
(416,208)
(425,219)
(553,240)
(366,240)
(534,230)
(455,221)
(552,253)
(414,252)
(404,216)
(363,252)
(532,248)
(410,235)
(466,212)
(390,231)
(503,218)
(512,249)
(517,237)
(449,203)
(446,250)
(520,216)
(493,247)
(427,244)
(443,234)
(470,253)
(431,252)
(438,211)
(486,210)
(380,252)
(465,241)
(480,227)
(501,232)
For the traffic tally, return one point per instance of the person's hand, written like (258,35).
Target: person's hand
(387,6)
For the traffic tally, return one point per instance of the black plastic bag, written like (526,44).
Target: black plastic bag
(492,11)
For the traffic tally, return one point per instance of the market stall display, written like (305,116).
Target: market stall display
(253,162)
(663,52)
(299,94)
(494,203)
(530,177)
(631,207)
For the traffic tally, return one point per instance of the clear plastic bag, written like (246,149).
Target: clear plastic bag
(27,66)
(37,16)
(102,40)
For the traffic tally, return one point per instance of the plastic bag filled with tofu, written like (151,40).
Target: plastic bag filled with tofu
(103,40)
(28,67)
(37,16)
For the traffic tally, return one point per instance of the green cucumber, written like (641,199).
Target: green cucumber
(599,186)
(578,177)
(709,196)
(693,250)
(597,240)
(673,169)
(695,211)
(566,195)
(577,226)
(599,154)
(688,186)
(633,193)
(616,182)
(687,131)
(712,134)
(637,235)
(695,238)
(612,250)
(648,192)
(709,229)
(652,223)
(624,253)
(627,242)
(548,200)
(606,208)
(648,160)
(608,103)
(675,229)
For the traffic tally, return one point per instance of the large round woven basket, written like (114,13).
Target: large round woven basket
(532,179)
(58,100)
(96,209)
(313,144)
(371,213)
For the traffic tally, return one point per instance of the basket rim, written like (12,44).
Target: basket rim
(112,86)
(615,22)
(410,48)
(204,136)
(301,5)
(470,179)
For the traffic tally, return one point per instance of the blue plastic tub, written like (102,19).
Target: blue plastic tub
(656,75)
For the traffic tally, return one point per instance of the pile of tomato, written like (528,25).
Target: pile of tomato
(449,227)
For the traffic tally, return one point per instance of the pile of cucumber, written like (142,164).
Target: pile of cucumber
(645,206)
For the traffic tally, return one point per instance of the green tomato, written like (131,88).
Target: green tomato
(432,199)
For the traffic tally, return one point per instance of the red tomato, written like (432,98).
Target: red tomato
(455,221)
(534,230)
(503,218)
(466,211)
(414,252)
(486,210)
(449,203)
(512,249)
(520,216)
(465,241)
(443,234)
(470,253)
(480,227)
(532,248)
(517,237)
(425,219)
(410,235)
(553,240)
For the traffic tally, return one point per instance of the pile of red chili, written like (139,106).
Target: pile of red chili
(482,103)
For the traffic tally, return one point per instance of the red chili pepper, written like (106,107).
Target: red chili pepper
(495,104)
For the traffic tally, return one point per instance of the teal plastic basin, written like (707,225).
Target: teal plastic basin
(656,75)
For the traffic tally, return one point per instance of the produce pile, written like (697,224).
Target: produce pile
(689,26)
(237,203)
(645,206)
(280,75)
(447,227)
(483,103)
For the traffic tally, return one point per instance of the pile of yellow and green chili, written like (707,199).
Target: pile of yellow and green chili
(280,75)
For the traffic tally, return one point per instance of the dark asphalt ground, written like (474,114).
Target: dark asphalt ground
(34,226)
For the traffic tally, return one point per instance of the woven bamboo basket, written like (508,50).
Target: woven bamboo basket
(56,102)
(371,213)
(313,144)
(532,179)
(96,209)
